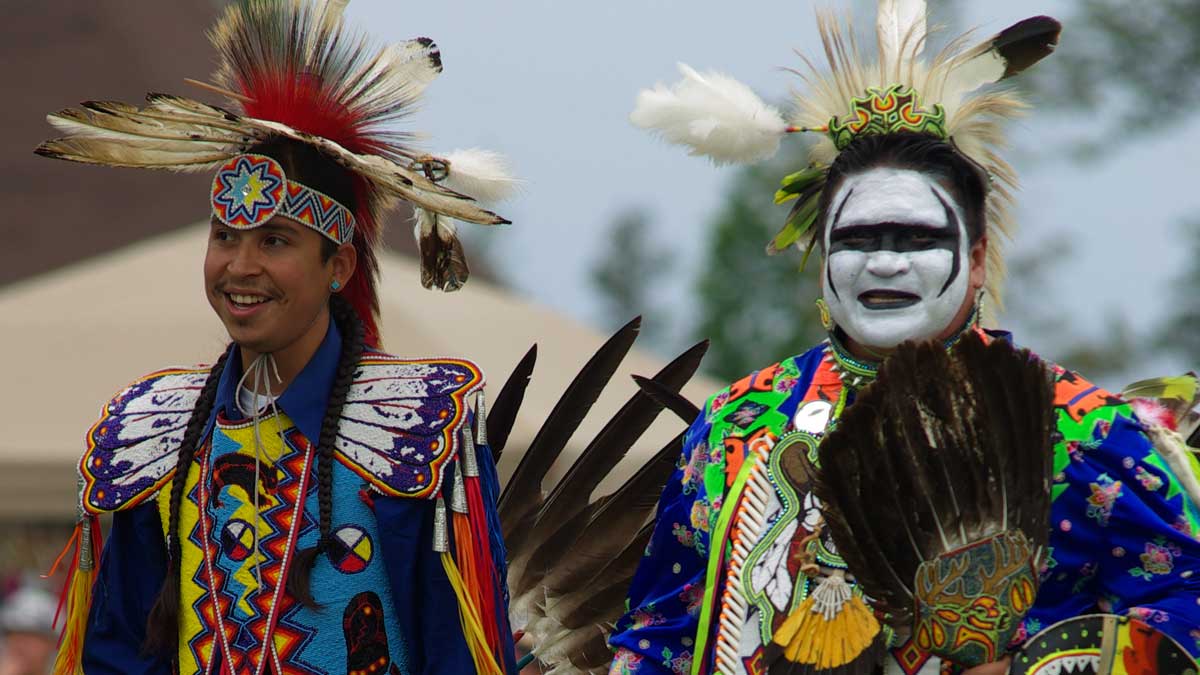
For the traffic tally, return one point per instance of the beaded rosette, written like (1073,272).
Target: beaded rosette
(249,190)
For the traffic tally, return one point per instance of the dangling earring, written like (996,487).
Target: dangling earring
(335,285)
(978,307)
(823,309)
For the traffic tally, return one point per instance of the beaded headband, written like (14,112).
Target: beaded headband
(249,190)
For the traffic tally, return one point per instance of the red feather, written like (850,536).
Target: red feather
(296,69)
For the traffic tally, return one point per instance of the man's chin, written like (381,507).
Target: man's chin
(249,339)
(888,332)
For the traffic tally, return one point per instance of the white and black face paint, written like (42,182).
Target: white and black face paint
(896,265)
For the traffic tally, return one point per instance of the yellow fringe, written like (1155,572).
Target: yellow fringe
(468,614)
(809,639)
(69,660)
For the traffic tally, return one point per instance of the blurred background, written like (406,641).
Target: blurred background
(100,268)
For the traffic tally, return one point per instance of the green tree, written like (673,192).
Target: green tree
(1105,357)
(1181,333)
(628,268)
(754,309)
(1139,60)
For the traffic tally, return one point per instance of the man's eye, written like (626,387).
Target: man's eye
(222,235)
(274,240)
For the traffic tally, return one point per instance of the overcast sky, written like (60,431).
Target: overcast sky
(550,84)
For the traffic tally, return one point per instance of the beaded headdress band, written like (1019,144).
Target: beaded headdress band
(249,190)
(721,118)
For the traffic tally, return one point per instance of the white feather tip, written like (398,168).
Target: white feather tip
(714,115)
(482,174)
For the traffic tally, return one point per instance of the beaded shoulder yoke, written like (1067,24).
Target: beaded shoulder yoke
(398,431)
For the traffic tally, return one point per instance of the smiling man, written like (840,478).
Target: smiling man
(900,258)
(300,506)
(906,200)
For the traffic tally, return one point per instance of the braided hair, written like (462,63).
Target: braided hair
(162,624)
(352,348)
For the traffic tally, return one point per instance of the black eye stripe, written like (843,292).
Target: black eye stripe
(837,216)
(951,222)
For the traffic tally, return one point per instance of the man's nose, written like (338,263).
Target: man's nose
(245,261)
(887,264)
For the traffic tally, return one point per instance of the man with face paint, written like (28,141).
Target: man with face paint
(899,262)
(906,202)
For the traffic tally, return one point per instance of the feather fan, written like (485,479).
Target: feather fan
(573,555)
(714,115)
(551,531)
(935,488)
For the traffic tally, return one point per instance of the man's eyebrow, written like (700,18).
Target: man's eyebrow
(287,228)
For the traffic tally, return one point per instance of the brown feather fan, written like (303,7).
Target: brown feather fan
(935,488)
(572,556)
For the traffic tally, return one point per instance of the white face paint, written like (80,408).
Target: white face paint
(896,263)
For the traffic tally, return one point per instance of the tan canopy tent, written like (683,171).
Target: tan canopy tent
(74,337)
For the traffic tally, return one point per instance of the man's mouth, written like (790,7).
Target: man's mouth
(240,302)
(888,299)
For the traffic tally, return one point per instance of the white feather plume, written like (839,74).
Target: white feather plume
(482,174)
(900,25)
(714,115)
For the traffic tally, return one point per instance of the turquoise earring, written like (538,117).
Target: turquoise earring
(335,285)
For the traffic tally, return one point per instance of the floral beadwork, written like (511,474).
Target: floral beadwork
(642,618)
(683,535)
(718,402)
(677,664)
(1105,492)
(1149,615)
(701,512)
(693,471)
(692,598)
(785,384)
(625,663)
(1149,481)
(1159,559)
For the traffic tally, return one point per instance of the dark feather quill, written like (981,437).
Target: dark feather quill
(522,495)
(572,556)
(609,446)
(671,400)
(610,529)
(503,413)
(1026,42)
(549,537)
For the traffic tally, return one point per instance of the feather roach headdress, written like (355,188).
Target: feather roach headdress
(292,70)
(900,91)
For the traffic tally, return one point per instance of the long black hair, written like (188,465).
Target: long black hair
(162,624)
